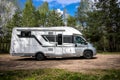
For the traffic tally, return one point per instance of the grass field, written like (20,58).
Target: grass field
(58,74)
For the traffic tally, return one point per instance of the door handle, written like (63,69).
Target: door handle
(75,45)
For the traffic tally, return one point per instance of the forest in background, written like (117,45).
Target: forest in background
(99,22)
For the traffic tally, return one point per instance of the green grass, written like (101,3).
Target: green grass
(57,74)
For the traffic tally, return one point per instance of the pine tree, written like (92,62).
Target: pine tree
(95,31)
(71,21)
(28,16)
(81,13)
(111,21)
(15,21)
(103,25)
(0,21)
(43,12)
(54,19)
(7,12)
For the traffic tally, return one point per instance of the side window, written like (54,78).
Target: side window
(51,38)
(25,34)
(54,38)
(45,38)
(79,40)
(67,39)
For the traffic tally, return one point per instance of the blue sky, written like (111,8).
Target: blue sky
(70,5)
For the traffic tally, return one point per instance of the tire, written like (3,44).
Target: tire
(40,57)
(88,54)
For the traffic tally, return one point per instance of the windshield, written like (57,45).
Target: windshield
(79,40)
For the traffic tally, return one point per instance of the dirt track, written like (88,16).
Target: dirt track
(100,61)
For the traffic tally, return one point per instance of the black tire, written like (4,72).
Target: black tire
(40,56)
(88,54)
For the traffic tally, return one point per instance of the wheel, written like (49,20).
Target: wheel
(88,54)
(40,57)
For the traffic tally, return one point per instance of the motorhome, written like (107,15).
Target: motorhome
(50,42)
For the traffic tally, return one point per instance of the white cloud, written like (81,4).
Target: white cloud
(36,0)
(67,2)
(64,2)
(45,0)
(49,0)
(59,11)
(76,7)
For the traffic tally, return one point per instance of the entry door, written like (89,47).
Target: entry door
(59,46)
(58,50)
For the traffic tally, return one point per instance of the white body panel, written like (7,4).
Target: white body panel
(29,46)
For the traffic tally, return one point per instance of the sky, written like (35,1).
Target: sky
(69,5)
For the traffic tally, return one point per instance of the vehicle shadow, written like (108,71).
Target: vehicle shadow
(71,58)
(25,59)
(54,59)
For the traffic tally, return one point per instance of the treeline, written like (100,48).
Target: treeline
(99,22)
(32,17)
(101,25)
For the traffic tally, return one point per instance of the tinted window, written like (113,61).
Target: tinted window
(54,38)
(67,39)
(80,40)
(51,38)
(25,33)
(59,39)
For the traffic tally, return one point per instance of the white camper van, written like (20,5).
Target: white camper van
(50,42)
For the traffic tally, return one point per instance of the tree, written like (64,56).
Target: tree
(95,31)
(16,21)
(103,25)
(111,21)
(54,19)
(71,21)
(0,21)
(7,12)
(43,12)
(81,13)
(28,16)
(47,17)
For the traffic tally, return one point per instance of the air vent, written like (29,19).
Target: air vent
(50,49)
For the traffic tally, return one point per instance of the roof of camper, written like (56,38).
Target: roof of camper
(65,29)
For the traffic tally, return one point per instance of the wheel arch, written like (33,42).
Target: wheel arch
(88,50)
(88,54)
(39,53)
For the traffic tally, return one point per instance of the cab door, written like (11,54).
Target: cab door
(80,45)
